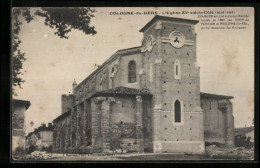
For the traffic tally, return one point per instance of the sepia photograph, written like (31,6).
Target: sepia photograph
(132,84)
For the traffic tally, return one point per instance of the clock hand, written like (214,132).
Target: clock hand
(176,40)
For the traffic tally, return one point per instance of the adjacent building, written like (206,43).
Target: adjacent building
(245,132)
(19,108)
(40,139)
(146,99)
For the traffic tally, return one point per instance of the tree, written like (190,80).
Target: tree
(61,19)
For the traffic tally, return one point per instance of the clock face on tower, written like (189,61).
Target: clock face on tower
(177,39)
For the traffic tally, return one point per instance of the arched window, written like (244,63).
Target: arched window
(131,72)
(177,111)
(177,69)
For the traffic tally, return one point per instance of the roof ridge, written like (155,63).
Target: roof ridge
(160,17)
(217,95)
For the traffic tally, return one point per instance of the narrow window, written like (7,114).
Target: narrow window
(177,69)
(123,103)
(177,108)
(131,72)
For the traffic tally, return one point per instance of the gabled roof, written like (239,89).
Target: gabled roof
(26,103)
(214,96)
(165,18)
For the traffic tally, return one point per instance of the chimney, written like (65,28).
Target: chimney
(49,124)
(66,102)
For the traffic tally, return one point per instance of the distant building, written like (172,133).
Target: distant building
(18,125)
(30,141)
(146,99)
(245,132)
(40,139)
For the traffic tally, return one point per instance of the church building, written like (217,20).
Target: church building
(146,99)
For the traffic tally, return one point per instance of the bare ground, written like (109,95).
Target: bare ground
(212,153)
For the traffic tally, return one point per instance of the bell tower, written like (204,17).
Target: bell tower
(170,62)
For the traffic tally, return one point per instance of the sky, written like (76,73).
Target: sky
(225,57)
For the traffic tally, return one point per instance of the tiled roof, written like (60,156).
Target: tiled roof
(64,115)
(214,96)
(22,102)
(124,91)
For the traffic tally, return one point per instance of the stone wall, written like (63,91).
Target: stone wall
(105,124)
(147,124)
(112,75)
(122,78)
(218,120)
(62,136)
(117,124)
(97,82)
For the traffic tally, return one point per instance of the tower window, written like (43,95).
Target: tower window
(177,69)
(131,72)
(177,111)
